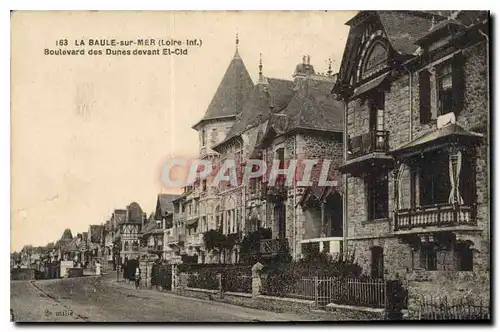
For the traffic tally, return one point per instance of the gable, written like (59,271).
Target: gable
(374,57)
(375,40)
(367,54)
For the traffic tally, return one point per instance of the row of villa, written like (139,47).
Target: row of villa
(404,125)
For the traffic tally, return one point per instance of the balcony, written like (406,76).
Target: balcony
(444,215)
(271,247)
(175,239)
(155,248)
(372,141)
(195,239)
(369,149)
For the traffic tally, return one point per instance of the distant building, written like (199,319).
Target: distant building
(273,119)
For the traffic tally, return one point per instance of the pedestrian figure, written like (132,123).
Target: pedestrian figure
(124,268)
(137,277)
(97,268)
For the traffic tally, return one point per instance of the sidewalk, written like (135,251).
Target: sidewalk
(314,315)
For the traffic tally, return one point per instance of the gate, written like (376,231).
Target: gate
(161,276)
(129,269)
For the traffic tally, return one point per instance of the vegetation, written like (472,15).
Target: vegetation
(250,245)
(282,275)
(215,241)
(220,243)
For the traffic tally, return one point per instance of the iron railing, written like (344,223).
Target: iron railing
(349,291)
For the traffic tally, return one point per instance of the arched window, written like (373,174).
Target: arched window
(373,56)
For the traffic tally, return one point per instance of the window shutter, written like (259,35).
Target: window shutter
(458,86)
(425,96)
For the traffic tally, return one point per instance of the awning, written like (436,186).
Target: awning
(191,222)
(370,85)
(449,133)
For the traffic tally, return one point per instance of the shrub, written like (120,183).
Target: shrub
(203,279)
(282,276)
(237,283)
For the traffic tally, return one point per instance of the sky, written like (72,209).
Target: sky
(91,134)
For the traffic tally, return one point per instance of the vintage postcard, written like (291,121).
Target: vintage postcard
(197,166)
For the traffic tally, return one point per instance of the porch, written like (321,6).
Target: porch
(435,183)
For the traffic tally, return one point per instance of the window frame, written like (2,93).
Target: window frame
(426,252)
(373,184)
(439,79)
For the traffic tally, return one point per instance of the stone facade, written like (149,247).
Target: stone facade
(305,223)
(402,120)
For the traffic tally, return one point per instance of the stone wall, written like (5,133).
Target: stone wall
(454,285)
(300,224)
(399,108)
(215,132)
(22,274)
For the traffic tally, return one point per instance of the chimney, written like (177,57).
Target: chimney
(303,70)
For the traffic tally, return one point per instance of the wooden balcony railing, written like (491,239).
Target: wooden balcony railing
(372,141)
(436,215)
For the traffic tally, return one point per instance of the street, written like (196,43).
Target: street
(88,299)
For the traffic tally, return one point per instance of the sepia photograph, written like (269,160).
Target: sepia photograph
(250,166)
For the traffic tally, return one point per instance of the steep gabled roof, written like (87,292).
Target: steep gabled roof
(402,29)
(232,93)
(134,213)
(150,226)
(313,107)
(67,236)
(271,96)
(164,204)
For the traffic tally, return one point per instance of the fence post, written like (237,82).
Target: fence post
(316,289)
(256,279)
(174,277)
(219,281)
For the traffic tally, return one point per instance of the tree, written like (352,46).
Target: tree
(215,240)
(229,243)
(250,245)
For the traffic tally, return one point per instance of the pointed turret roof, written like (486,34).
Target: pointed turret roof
(67,235)
(232,93)
(268,95)
(264,99)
